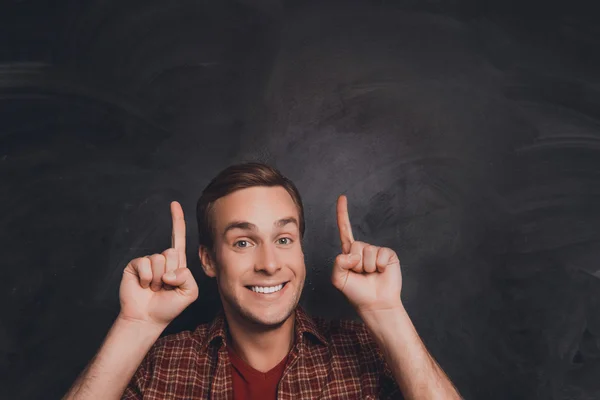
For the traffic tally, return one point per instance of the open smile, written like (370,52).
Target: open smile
(267,289)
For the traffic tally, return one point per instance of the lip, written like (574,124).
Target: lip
(266,284)
(269,295)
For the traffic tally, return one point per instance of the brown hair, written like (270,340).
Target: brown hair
(236,177)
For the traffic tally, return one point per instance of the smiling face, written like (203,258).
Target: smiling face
(259,263)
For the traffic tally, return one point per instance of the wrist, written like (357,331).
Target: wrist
(143,326)
(385,321)
(380,313)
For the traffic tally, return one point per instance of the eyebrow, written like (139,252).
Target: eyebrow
(249,226)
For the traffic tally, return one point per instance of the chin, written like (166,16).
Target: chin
(267,318)
(268,315)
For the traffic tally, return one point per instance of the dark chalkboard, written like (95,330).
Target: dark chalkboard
(466,137)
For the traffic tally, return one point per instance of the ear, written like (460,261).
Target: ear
(208,264)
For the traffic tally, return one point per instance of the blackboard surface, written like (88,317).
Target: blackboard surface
(465,135)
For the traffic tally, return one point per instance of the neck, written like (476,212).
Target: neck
(260,347)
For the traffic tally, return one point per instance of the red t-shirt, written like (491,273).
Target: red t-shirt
(251,384)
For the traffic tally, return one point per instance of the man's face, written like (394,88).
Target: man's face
(259,262)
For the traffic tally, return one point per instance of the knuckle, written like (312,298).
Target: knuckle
(157,258)
(169,252)
(137,261)
(145,271)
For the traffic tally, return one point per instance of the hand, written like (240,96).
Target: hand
(157,288)
(371,280)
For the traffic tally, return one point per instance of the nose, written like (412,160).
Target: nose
(267,260)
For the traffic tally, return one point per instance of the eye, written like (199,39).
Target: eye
(285,238)
(240,241)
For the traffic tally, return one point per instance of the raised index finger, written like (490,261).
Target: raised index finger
(343,221)
(178,234)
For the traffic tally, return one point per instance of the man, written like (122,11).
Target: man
(262,345)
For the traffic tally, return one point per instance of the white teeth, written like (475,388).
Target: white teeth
(269,289)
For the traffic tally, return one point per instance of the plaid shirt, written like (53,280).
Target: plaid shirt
(329,360)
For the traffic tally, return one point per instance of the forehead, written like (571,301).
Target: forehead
(259,205)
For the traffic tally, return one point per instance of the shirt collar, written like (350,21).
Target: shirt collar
(216,330)
(304,324)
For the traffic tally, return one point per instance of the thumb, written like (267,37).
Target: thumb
(182,279)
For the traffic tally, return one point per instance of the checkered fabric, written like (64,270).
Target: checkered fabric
(329,360)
